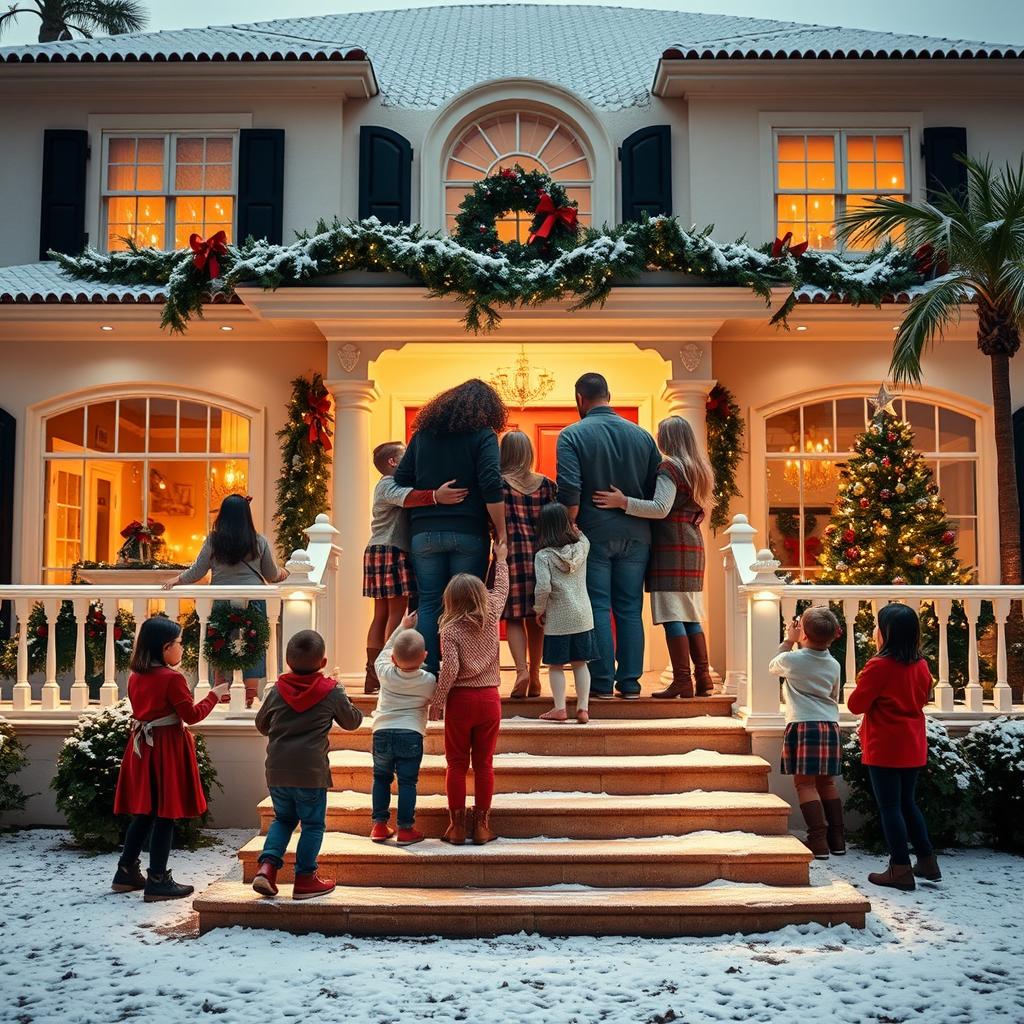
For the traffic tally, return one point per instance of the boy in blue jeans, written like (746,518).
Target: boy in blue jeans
(399,725)
(296,717)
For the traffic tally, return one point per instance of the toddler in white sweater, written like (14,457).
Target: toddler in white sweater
(563,609)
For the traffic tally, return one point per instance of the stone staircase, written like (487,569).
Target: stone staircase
(654,820)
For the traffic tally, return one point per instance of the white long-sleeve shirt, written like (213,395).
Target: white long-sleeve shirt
(811,686)
(404,696)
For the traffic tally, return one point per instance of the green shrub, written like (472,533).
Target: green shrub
(996,750)
(86,780)
(12,760)
(946,791)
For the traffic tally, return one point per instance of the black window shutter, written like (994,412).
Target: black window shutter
(62,212)
(942,170)
(385,175)
(646,158)
(261,184)
(7,427)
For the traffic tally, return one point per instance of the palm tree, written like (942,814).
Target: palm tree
(979,235)
(59,18)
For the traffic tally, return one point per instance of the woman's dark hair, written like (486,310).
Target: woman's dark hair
(901,633)
(554,528)
(233,538)
(153,636)
(471,406)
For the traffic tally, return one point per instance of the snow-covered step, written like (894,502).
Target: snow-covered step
(695,859)
(475,913)
(526,773)
(609,738)
(579,815)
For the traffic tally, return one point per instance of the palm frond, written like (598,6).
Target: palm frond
(11,16)
(921,223)
(115,17)
(927,316)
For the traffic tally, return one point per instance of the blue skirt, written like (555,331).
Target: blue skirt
(563,650)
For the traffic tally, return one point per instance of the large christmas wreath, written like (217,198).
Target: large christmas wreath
(725,448)
(513,190)
(235,637)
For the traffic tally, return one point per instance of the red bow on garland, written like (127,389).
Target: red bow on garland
(317,418)
(206,253)
(782,245)
(926,263)
(812,548)
(546,208)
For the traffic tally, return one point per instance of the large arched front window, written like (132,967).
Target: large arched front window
(805,446)
(113,461)
(536,142)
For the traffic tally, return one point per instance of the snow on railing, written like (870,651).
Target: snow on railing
(758,604)
(305,600)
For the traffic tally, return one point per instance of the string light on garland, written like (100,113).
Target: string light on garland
(725,429)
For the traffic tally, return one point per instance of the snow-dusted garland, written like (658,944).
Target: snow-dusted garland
(484,281)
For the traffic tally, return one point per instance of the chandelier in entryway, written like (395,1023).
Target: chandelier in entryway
(516,385)
(816,473)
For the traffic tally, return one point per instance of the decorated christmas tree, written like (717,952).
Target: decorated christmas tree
(889,523)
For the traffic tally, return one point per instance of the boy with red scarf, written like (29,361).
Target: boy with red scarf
(297,716)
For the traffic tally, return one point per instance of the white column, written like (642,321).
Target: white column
(1002,695)
(943,689)
(21,697)
(79,688)
(350,504)
(762,703)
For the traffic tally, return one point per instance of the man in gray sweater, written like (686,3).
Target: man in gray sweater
(601,450)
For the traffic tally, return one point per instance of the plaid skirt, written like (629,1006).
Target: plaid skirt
(387,572)
(812,748)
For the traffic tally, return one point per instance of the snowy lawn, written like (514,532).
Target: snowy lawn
(72,951)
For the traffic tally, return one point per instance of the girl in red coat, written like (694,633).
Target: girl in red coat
(891,692)
(159,778)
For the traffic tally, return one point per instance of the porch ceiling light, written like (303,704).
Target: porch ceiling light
(226,327)
(106,327)
(516,386)
(801,327)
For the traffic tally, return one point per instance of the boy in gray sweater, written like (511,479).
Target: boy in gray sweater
(297,716)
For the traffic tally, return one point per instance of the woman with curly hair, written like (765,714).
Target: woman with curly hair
(455,436)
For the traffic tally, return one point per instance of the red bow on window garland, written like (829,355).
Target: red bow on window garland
(206,253)
(552,215)
(317,418)
(782,245)
(812,548)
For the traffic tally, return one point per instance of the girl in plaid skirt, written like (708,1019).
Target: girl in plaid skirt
(812,744)
(526,493)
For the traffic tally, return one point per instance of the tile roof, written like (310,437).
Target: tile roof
(424,56)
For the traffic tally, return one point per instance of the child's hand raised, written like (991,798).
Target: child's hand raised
(446,494)
(221,690)
(793,631)
(409,620)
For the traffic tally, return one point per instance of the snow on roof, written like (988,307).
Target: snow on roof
(424,56)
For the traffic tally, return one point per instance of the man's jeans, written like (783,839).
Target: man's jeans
(294,804)
(615,581)
(436,558)
(396,752)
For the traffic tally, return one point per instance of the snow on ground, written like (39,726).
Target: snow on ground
(72,951)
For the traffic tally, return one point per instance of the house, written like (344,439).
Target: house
(755,126)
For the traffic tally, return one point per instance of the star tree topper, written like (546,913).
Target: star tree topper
(883,401)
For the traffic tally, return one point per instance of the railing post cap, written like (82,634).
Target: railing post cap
(322,527)
(740,529)
(299,564)
(765,568)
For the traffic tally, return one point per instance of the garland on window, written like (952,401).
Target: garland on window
(725,448)
(305,445)
(486,281)
(235,637)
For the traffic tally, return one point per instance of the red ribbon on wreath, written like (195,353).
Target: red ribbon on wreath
(552,215)
(812,548)
(317,418)
(782,245)
(206,253)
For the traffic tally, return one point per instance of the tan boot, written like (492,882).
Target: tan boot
(895,876)
(372,684)
(814,815)
(481,828)
(682,681)
(701,668)
(456,831)
(836,833)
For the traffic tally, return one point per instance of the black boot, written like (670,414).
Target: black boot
(161,886)
(682,681)
(701,669)
(128,878)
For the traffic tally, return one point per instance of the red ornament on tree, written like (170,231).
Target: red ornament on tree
(852,554)
(886,461)
(864,503)
(849,536)
(885,494)
(948,537)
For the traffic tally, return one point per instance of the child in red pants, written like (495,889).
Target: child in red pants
(467,695)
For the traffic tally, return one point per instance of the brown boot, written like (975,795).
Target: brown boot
(481,828)
(456,831)
(836,828)
(895,876)
(701,668)
(372,684)
(682,681)
(928,868)
(814,815)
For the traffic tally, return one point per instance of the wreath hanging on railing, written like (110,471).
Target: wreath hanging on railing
(235,637)
(514,190)
(725,449)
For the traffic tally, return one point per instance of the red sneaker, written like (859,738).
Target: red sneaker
(308,886)
(381,832)
(408,836)
(265,882)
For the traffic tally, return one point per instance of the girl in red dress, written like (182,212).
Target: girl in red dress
(159,778)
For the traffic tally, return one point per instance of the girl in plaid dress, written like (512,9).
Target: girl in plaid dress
(812,745)
(526,493)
